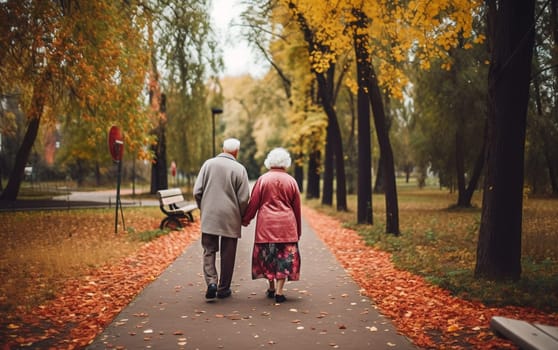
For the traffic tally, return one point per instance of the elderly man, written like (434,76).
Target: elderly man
(222,193)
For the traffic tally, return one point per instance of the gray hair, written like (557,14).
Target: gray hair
(231,145)
(278,158)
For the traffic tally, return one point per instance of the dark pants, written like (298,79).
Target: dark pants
(210,244)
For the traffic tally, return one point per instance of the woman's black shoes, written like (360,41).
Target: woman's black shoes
(271,293)
(279,298)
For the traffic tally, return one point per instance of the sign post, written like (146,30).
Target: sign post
(116,147)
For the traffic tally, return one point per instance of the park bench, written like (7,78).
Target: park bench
(175,208)
(528,336)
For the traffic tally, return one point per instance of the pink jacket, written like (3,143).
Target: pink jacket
(276,199)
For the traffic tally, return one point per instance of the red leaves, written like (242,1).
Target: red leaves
(84,306)
(429,315)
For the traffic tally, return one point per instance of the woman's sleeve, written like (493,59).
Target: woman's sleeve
(296,209)
(253,204)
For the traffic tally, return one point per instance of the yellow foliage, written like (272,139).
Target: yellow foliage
(421,30)
(93,61)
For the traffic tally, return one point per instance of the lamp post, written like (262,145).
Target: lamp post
(214,110)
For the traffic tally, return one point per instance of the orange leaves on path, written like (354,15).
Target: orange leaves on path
(86,305)
(430,316)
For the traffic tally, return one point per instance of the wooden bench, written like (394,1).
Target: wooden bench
(528,336)
(175,208)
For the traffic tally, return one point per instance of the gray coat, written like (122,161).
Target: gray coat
(222,193)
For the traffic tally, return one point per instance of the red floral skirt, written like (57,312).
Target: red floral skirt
(276,261)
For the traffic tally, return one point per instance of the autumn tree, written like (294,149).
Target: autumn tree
(541,148)
(364,72)
(325,75)
(449,116)
(279,41)
(392,31)
(184,56)
(83,57)
(511,36)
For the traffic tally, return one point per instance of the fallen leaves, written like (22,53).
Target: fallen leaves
(428,315)
(84,306)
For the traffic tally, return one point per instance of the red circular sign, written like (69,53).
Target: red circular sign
(115,143)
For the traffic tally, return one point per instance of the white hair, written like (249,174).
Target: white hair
(231,145)
(278,158)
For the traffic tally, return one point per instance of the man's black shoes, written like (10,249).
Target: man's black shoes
(211,292)
(224,294)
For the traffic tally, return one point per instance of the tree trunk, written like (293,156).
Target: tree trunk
(80,172)
(325,88)
(159,179)
(370,83)
(299,174)
(460,166)
(379,183)
(313,190)
(499,243)
(16,176)
(476,174)
(554,25)
(335,141)
(351,149)
(325,94)
(392,206)
(159,174)
(364,189)
(551,171)
(463,200)
(329,161)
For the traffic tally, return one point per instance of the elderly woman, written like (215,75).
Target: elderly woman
(276,199)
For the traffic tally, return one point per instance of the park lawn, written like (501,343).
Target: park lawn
(43,249)
(48,253)
(439,243)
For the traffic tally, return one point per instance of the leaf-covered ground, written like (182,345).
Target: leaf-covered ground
(83,303)
(85,297)
(428,315)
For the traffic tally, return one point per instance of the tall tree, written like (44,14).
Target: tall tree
(450,106)
(88,53)
(363,65)
(394,29)
(541,152)
(511,33)
(370,91)
(186,55)
(324,77)
(388,169)
(283,53)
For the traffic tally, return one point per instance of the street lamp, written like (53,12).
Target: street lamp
(214,110)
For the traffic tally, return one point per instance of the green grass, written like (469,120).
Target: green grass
(146,236)
(439,242)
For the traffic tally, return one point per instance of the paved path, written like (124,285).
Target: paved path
(324,309)
(79,199)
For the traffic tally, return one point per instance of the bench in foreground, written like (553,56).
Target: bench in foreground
(528,336)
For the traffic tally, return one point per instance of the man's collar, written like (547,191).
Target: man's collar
(226,155)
